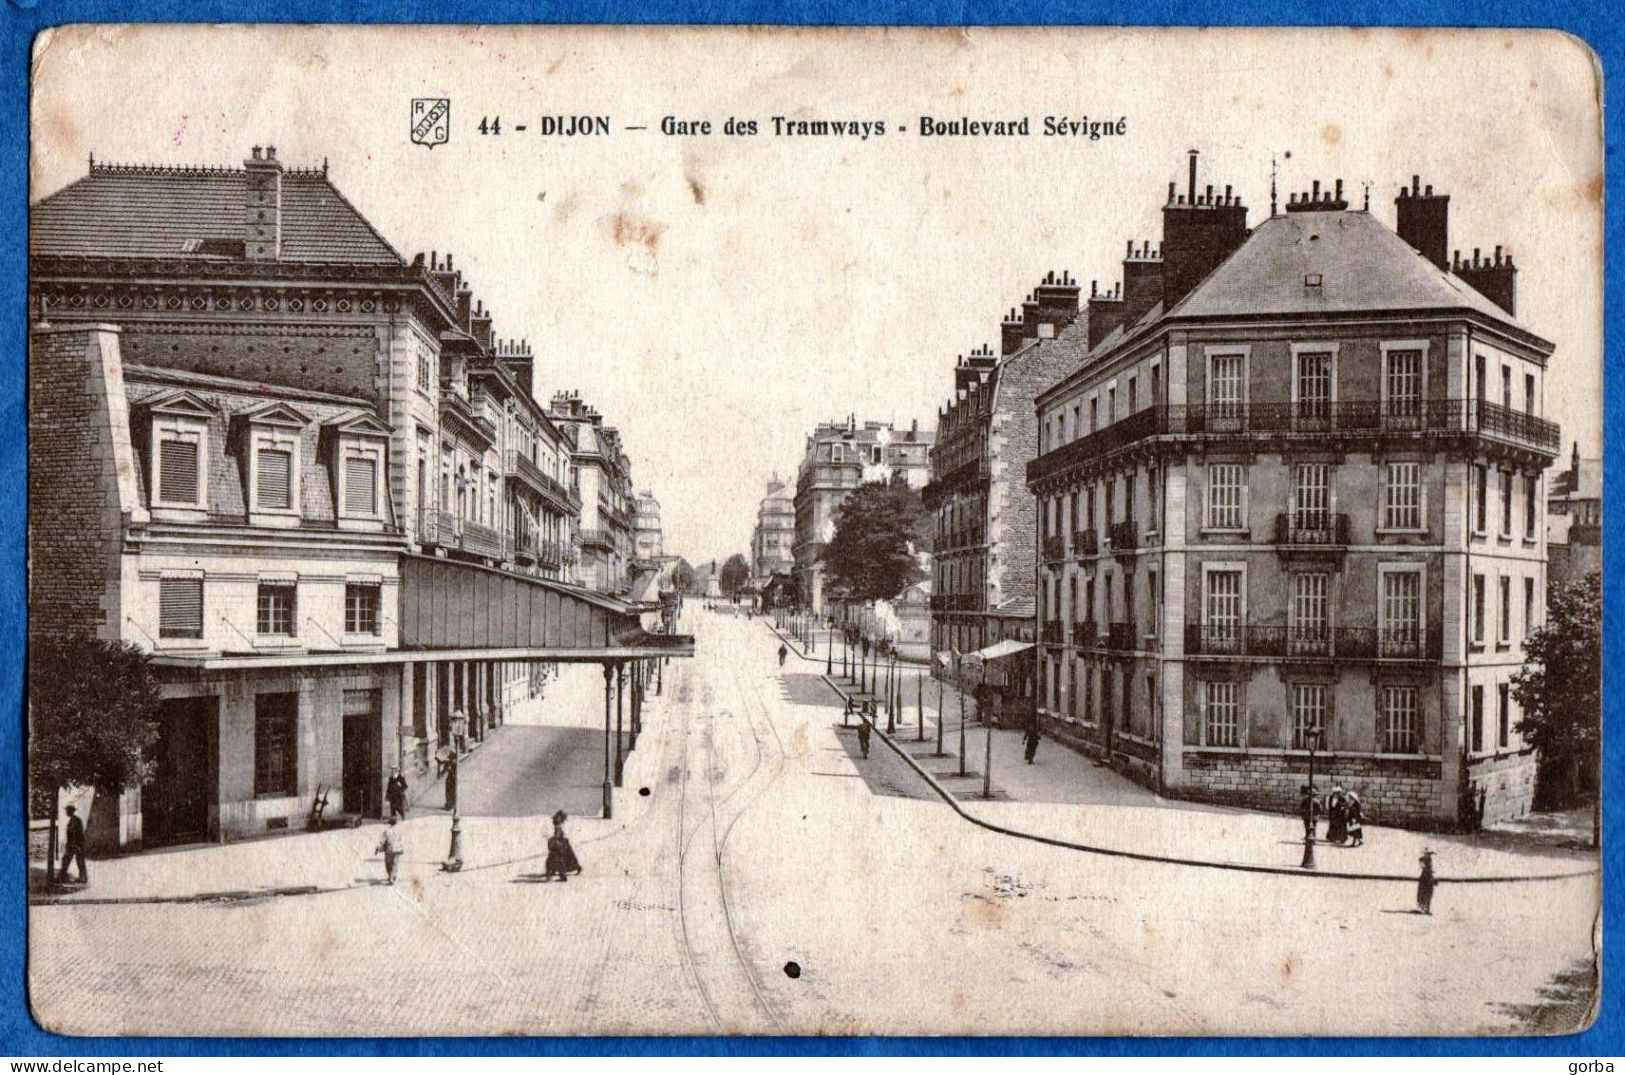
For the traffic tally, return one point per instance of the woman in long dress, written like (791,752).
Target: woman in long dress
(1337,817)
(561,857)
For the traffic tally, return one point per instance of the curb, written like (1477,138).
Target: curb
(1171,860)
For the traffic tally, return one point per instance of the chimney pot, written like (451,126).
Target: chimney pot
(1429,191)
(270,153)
(1339,195)
(257,152)
(1416,181)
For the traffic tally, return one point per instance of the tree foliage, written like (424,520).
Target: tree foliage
(93,708)
(871,556)
(735,573)
(1560,690)
(684,577)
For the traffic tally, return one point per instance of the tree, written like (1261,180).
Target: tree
(93,709)
(871,556)
(1559,690)
(735,573)
(684,578)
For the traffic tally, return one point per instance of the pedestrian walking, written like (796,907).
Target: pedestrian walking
(1032,740)
(459,730)
(1308,809)
(393,846)
(451,783)
(561,857)
(1337,818)
(863,733)
(395,792)
(1356,819)
(73,848)
(784,651)
(1426,884)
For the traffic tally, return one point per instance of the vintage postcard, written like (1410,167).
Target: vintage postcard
(688,531)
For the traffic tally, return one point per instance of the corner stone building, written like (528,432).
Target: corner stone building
(1291,499)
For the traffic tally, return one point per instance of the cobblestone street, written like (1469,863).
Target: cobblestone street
(765,840)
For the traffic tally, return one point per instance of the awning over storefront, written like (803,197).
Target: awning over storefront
(994,665)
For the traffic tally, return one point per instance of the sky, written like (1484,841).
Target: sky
(717,295)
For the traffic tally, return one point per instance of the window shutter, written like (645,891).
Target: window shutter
(177,471)
(273,479)
(180,608)
(359,474)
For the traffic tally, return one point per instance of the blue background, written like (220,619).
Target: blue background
(19,1036)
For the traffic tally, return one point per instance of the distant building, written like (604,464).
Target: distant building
(602,478)
(772,546)
(648,539)
(839,457)
(1574,520)
(1291,498)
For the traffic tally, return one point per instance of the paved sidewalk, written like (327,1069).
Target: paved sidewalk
(1066,796)
(307,863)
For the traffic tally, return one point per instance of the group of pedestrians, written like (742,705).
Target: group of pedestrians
(1342,809)
(561,857)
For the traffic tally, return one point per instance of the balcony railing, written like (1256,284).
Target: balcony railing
(953,602)
(1342,417)
(525,469)
(1121,636)
(1050,631)
(601,538)
(1311,528)
(1122,536)
(1086,543)
(1085,634)
(1054,548)
(964,537)
(1309,642)
(449,531)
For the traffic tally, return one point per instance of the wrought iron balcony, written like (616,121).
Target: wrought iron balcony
(1050,631)
(445,530)
(1054,548)
(602,539)
(1122,636)
(1123,536)
(1086,543)
(1085,635)
(1342,417)
(1312,528)
(523,469)
(1312,642)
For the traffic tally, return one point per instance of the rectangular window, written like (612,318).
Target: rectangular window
(1401,612)
(1308,715)
(276,737)
(1481,499)
(1223,713)
(273,479)
(274,611)
(1528,606)
(1403,386)
(1311,497)
(1505,610)
(1402,497)
(1221,613)
(1094,415)
(1311,604)
(1478,719)
(1529,393)
(180,608)
(1506,503)
(1226,391)
(1399,720)
(178,471)
(1531,499)
(360,485)
(1314,385)
(1224,488)
(360,609)
(1153,583)
(1506,387)
(1503,716)
(1478,609)
(1111,405)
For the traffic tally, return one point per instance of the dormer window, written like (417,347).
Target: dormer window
(180,451)
(358,447)
(271,447)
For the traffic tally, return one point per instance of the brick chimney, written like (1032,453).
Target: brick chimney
(1142,281)
(1029,317)
(1010,333)
(1198,232)
(1105,312)
(479,326)
(1313,201)
(262,212)
(517,356)
(1422,218)
(1057,299)
(1493,277)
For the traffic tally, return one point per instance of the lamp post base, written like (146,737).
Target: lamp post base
(609,792)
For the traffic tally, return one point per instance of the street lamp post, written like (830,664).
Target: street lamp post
(1313,737)
(609,703)
(959,687)
(891,697)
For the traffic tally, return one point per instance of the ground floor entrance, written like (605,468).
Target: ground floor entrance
(175,805)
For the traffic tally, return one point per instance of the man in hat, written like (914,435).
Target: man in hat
(395,792)
(459,730)
(73,849)
(864,731)
(393,847)
(1032,739)
(1425,884)
(784,651)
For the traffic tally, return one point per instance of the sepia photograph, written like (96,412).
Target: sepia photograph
(758,531)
